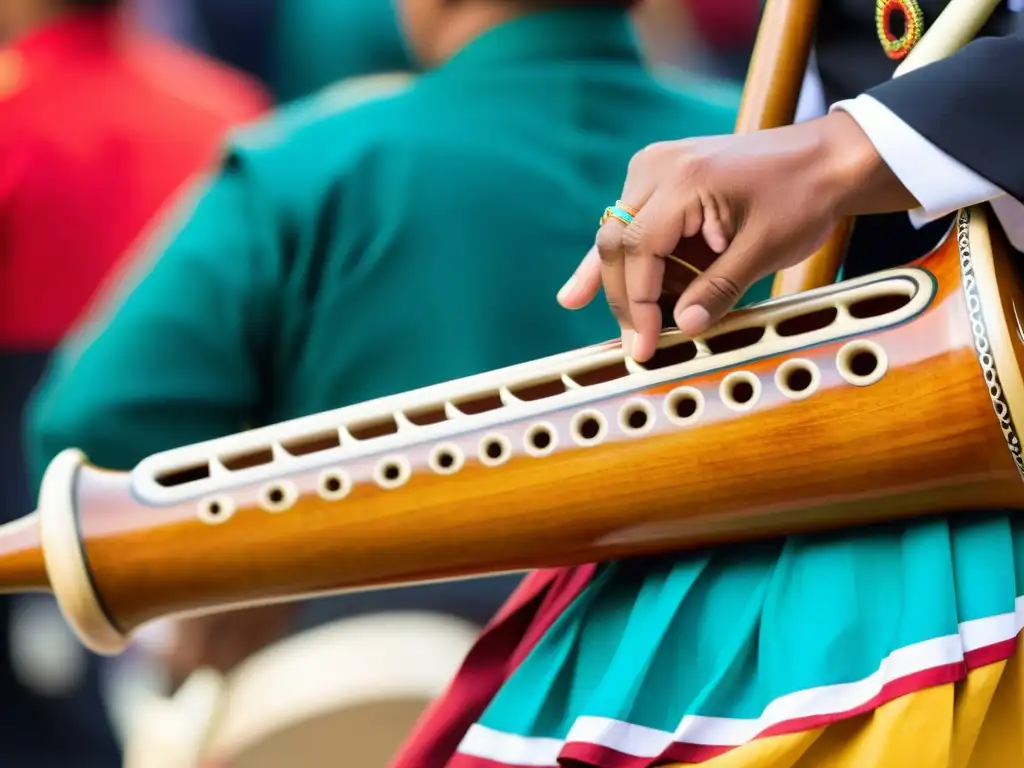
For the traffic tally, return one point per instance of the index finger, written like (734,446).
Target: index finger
(641,178)
(613,275)
(653,235)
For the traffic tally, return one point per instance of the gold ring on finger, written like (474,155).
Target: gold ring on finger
(621,211)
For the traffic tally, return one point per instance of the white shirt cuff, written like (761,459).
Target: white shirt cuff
(940,183)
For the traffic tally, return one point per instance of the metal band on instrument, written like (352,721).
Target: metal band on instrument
(982,343)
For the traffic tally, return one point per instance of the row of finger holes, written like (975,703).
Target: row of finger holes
(860,363)
(590,427)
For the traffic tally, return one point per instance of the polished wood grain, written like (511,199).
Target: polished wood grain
(22,568)
(922,440)
(777,65)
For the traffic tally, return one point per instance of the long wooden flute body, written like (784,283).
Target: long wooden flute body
(885,397)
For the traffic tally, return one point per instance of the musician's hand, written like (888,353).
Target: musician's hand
(763,201)
(222,641)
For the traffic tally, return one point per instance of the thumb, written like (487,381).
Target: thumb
(711,295)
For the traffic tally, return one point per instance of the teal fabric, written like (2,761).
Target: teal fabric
(315,269)
(320,42)
(724,633)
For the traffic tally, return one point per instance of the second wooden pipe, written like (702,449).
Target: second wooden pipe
(778,64)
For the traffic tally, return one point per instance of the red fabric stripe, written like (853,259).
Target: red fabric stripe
(465,761)
(681,752)
(531,610)
(990,654)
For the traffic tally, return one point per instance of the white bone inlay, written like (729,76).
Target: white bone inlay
(446,459)
(216,510)
(636,417)
(334,485)
(392,472)
(740,390)
(586,421)
(798,372)
(495,450)
(540,440)
(857,354)
(507,398)
(633,366)
(684,405)
(278,496)
(452,412)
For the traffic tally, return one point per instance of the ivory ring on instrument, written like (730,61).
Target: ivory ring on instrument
(862,362)
(636,417)
(798,379)
(588,427)
(540,440)
(684,405)
(334,485)
(740,390)
(495,449)
(392,472)
(216,510)
(278,496)
(447,459)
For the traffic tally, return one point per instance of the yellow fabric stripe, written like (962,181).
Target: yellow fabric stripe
(976,723)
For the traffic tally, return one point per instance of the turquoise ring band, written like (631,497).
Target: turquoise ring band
(621,211)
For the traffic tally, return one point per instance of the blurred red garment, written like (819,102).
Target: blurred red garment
(99,127)
(726,24)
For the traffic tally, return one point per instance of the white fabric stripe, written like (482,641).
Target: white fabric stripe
(509,748)
(641,741)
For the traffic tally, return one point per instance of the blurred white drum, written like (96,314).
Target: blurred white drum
(347,693)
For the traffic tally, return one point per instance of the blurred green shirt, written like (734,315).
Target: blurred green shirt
(319,42)
(364,244)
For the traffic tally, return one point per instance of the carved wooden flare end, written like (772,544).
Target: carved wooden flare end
(62,521)
(43,552)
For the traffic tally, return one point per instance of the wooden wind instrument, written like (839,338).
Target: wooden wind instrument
(886,397)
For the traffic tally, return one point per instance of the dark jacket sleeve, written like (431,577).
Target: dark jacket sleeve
(971,106)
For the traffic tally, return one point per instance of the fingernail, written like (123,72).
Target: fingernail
(627,342)
(567,288)
(638,346)
(693,320)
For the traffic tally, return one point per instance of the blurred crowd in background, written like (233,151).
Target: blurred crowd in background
(58,706)
(297,47)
